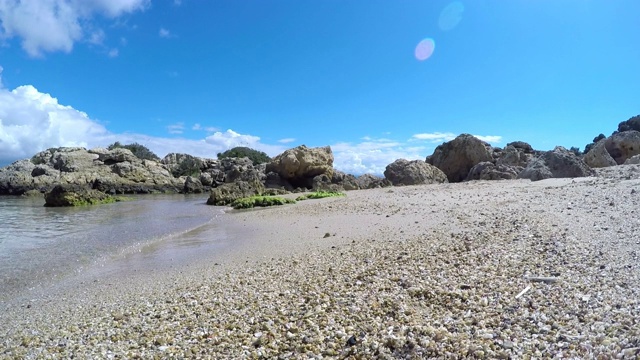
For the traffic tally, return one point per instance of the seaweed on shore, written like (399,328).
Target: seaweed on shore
(253,201)
(320,195)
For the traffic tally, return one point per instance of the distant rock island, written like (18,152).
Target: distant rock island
(118,171)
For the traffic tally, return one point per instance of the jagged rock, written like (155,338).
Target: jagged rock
(119,171)
(456,157)
(324,183)
(405,172)
(558,163)
(192,186)
(521,145)
(623,145)
(298,166)
(184,164)
(74,195)
(347,181)
(227,193)
(512,156)
(635,159)
(115,156)
(369,181)
(240,169)
(489,171)
(598,156)
(273,180)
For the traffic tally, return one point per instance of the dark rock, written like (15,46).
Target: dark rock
(369,181)
(405,172)
(456,157)
(74,195)
(521,145)
(558,163)
(227,193)
(346,181)
(513,156)
(489,171)
(192,186)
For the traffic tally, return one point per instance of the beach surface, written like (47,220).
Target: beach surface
(501,269)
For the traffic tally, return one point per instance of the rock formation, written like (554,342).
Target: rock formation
(75,195)
(298,166)
(405,172)
(456,157)
(557,163)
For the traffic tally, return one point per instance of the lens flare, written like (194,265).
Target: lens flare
(425,48)
(451,16)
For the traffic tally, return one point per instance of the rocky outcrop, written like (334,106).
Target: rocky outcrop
(347,181)
(623,145)
(456,157)
(558,163)
(598,156)
(227,193)
(405,172)
(298,166)
(513,156)
(114,171)
(369,181)
(75,195)
(489,171)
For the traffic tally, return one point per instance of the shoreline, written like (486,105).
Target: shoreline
(423,271)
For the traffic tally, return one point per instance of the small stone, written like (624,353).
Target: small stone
(326,235)
(351,341)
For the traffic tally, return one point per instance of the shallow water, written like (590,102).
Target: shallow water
(40,246)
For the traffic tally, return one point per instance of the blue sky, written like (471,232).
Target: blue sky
(200,77)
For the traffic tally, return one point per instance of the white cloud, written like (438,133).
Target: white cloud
(435,137)
(32,121)
(164,33)
(286,140)
(55,25)
(493,139)
(177,2)
(97,37)
(372,155)
(113,53)
(177,128)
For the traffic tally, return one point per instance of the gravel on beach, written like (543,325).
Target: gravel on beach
(487,270)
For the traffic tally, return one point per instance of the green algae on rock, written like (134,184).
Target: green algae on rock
(263,201)
(75,195)
(320,195)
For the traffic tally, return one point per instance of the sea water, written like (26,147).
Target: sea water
(40,246)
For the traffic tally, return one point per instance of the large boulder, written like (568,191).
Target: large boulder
(227,193)
(598,156)
(623,145)
(75,195)
(557,163)
(489,171)
(344,180)
(405,172)
(298,166)
(456,157)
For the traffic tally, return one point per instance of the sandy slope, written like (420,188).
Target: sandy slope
(407,272)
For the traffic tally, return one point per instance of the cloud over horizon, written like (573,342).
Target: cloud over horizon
(32,121)
(56,25)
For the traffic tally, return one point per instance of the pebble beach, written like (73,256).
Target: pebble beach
(487,270)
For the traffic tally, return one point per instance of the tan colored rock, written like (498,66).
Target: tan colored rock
(300,165)
(416,172)
(598,156)
(623,145)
